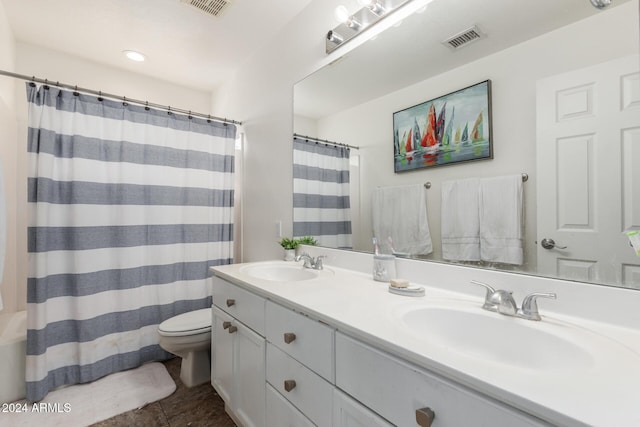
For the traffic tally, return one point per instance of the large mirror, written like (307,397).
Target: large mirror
(565,103)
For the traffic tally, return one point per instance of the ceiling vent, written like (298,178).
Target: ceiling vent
(210,7)
(464,38)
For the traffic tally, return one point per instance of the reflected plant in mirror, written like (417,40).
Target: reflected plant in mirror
(565,94)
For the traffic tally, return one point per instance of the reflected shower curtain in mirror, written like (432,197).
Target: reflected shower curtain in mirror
(128,207)
(321,199)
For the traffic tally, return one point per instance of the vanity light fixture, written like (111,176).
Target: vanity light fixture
(133,55)
(334,37)
(342,16)
(351,25)
(600,4)
(374,6)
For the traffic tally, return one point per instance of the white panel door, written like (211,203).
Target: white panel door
(249,376)
(588,152)
(221,355)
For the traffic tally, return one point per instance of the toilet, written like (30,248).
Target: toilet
(188,336)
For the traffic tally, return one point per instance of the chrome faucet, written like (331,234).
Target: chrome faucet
(311,262)
(502,301)
(530,306)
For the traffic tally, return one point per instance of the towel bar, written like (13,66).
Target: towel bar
(525,178)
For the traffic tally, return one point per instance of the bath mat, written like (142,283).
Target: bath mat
(84,404)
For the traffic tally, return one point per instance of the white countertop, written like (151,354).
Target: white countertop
(605,393)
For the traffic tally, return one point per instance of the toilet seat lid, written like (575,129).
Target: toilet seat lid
(189,323)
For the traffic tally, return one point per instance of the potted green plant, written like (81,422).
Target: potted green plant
(289,245)
(307,240)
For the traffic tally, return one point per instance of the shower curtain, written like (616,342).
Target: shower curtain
(321,199)
(128,207)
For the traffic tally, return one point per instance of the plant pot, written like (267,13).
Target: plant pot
(289,254)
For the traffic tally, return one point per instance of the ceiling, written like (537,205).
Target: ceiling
(412,51)
(183,45)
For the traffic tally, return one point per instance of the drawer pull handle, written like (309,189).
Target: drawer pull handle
(226,324)
(289,385)
(289,337)
(232,329)
(425,416)
(231,302)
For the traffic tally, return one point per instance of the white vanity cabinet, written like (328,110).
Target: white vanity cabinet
(397,389)
(280,367)
(238,352)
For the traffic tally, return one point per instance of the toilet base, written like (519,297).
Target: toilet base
(195,368)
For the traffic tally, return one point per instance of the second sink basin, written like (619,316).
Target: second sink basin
(281,272)
(475,333)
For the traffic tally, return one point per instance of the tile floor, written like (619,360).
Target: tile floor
(192,407)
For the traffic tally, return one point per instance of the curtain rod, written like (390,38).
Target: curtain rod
(117,97)
(325,141)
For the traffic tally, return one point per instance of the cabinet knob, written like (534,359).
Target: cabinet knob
(226,324)
(231,302)
(232,329)
(425,416)
(289,385)
(289,337)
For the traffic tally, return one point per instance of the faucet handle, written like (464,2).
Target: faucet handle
(488,305)
(317,263)
(530,306)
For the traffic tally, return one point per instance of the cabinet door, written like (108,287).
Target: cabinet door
(249,376)
(349,413)
(221,355)
(281,413)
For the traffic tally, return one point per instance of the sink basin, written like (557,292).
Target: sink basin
(472,332)
(281,272)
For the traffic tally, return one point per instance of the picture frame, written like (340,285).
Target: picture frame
(450,129)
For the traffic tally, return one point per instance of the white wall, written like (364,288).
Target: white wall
(513,73)
(8,129)
(261,95)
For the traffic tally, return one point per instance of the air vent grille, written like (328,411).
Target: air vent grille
(464,38)
(210,7)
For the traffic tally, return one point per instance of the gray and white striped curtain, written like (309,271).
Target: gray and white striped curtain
(321,199)
(128,207)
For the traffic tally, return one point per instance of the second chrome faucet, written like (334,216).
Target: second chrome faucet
(502,301)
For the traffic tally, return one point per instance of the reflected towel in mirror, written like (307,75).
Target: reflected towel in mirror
(460,221)
(400,213)
(501,219)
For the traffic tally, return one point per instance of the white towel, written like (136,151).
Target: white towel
(501,219)
(459,220)
(401,213)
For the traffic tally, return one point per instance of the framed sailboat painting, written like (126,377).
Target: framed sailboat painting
(450,129)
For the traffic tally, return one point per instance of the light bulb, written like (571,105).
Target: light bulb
(133,55)
(342,14)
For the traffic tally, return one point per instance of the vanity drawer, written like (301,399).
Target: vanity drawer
(243,305)
(282,413)
(396,389)
(306,340)
(307,391)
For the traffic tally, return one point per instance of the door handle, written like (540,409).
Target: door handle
(289,337)
(289,385)
(550,244)
(231,302)
(226,325)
